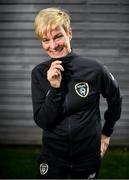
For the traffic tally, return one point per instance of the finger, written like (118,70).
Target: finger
(56,62)
(104,147)
(55,72)
(102,153)
(58,67)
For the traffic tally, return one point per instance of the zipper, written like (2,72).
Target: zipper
(70,143)
(69,137)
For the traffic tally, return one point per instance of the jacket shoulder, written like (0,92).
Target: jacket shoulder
(91,64)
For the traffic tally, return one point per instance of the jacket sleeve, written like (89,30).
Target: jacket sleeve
(46,105)
(110,90)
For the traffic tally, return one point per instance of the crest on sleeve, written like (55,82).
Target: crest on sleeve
(82,89)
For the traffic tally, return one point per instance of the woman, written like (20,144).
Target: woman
(65,93)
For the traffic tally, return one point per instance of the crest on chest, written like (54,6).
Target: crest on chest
(82,89)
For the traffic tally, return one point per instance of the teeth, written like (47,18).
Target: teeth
(59,48)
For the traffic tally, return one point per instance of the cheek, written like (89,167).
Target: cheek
(44,46)
(67,42)
(62,42)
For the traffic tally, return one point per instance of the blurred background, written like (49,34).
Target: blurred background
(100,32)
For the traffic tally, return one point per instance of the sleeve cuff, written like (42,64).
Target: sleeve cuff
(52,92)
(107,131)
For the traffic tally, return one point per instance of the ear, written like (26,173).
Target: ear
(70,34)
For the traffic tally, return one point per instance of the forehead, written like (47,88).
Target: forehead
(53,30)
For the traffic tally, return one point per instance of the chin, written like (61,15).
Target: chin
(59,55)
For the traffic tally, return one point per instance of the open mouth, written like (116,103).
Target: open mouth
(57,52)
(59,48)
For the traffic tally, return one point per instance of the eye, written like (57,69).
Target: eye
(45,40)
(58,36)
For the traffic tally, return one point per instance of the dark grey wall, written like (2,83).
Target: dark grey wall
(100,31)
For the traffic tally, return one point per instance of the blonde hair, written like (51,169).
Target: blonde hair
(49,18)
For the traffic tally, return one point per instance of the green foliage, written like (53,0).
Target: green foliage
(20,162)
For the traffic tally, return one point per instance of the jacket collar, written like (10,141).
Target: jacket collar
(66,59)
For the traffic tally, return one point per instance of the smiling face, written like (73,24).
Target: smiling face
(56,42)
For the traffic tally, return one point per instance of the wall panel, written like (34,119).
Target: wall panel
(100,31)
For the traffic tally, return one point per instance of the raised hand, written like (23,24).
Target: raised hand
(54,73)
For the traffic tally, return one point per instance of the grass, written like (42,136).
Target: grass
(115,164)
(19,162)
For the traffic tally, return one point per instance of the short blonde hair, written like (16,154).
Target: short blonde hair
(49,18)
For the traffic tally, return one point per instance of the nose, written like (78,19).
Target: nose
(52,44)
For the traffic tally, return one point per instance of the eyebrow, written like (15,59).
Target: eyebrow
(58,34)
(55,36)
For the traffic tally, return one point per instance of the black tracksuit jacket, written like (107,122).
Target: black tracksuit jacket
(70,115)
